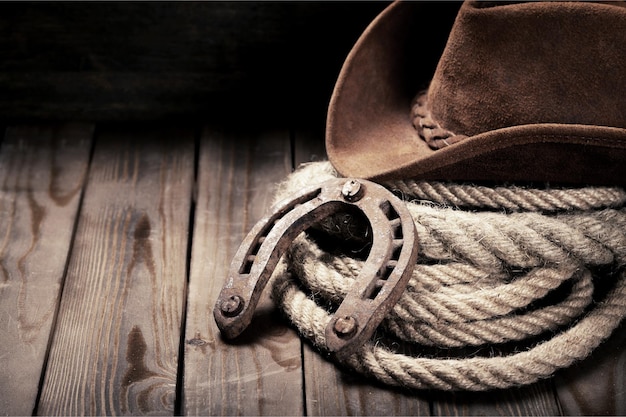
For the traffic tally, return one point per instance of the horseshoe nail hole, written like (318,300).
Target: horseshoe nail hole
(257,245)
(247,266)
(396,227)
(397,249)
(385,272)
(389,211)
(376,289)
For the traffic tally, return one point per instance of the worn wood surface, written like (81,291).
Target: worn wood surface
(260,373)
(597,385)
(536,399)
(115,348)
(42,170)
(98,316)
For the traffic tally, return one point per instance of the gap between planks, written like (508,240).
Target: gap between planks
(323,388)
(258,373)
(115,349)
(42,171)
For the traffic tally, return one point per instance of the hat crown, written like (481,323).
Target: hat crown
(522,92)
(524,63)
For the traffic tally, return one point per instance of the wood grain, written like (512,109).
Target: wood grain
(329,389)
(115,350)
(534,400)
(596,385)
(42,172)
(260,372)
(108,305)
(332,391)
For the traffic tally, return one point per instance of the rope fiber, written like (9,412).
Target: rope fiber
(541,270)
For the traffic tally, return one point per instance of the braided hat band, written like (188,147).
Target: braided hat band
(428,129)
(540,269)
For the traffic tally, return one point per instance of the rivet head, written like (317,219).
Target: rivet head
(352,190)
(345,327)
(232,306)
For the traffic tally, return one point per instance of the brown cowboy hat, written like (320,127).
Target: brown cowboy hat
(522,92)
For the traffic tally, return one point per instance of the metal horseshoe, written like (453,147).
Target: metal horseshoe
(376,290)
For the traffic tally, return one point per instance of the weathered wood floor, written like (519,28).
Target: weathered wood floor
(114,242)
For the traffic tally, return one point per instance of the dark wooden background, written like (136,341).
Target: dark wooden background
(252,61)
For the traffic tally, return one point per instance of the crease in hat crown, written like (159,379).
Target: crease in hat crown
(521,92)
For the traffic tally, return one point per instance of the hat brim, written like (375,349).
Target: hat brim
(369,132)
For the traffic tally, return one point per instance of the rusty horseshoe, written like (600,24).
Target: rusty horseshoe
(376,290)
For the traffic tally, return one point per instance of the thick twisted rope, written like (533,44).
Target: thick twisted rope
(517,267)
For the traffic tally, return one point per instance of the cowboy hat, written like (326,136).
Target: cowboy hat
(522,92)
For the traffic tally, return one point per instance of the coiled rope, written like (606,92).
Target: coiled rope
(497,265)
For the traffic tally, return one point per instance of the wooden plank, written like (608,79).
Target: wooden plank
(260,372)
(115,349)
(330,390)
(596,385)
(42,172)
(535,399)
